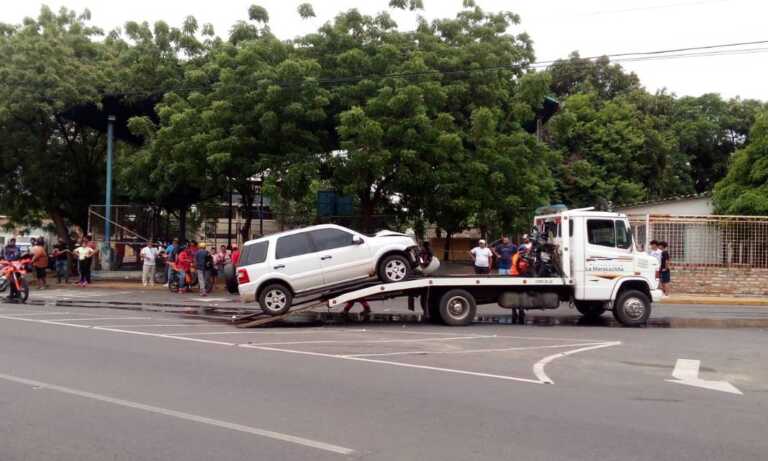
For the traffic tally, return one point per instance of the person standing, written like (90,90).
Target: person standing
(40,261)
(481,255)
(183,266)
(11,252)
(149,257)
(655,251)
(504,252)
(61,254)
(235,255)
(170,257)
(219,261)
(84,255)
(202,262)
(666,275)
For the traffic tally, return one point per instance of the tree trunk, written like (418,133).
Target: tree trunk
(245,230)
(183,223)
(62,231)
(447,247)
(367,208)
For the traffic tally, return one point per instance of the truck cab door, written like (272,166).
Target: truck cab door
(607,256)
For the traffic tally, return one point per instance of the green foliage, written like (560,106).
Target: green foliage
(744,191)
(50,166)
(306,11)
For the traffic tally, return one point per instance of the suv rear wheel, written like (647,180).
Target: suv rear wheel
(275,299)
(394,268)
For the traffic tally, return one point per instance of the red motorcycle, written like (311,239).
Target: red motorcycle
(12,277)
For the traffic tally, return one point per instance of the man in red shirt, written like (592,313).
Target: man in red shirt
(183,266)
(235,255)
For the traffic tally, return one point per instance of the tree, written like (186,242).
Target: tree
(744,190)
(579,75)
(51,166)
(709,130)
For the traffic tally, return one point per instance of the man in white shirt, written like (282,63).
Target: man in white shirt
(482,256)
(655,251)
(148,255)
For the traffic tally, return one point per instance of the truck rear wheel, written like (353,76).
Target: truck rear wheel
(457,308)
(632,308)
(590,309)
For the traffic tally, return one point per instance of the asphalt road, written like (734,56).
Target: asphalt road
(105,384)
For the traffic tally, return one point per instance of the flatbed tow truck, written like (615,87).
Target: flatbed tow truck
(600,269)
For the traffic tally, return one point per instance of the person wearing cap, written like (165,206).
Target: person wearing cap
(482,256)
(201,266)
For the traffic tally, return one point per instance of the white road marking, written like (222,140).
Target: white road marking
(686,372)
(472,351)
(159,325)
(185,416)
(533,338)
(213,300)
(538,367)
(102,318)
(41,313)
(347,341)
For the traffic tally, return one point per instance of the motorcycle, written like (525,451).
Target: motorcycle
(13,278)
(541,259)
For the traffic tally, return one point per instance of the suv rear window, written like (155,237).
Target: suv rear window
(293,245)
(254,254)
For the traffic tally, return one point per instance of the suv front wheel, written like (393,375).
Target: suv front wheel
(275,299)
(394,268)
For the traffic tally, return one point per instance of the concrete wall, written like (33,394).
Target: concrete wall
(742,281)
(690,207)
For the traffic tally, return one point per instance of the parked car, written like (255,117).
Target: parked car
(276,268)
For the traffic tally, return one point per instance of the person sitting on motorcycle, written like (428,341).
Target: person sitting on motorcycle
(183,266)
(519,263)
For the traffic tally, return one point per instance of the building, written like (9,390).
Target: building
(681,205)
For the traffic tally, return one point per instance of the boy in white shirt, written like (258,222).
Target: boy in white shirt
(482,256)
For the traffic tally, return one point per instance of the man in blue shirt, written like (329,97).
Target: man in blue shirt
(11,251)
(170,254)
(504,252)
(201,263)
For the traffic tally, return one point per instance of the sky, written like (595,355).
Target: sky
(557,27)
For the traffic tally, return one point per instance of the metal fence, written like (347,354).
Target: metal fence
(717,241)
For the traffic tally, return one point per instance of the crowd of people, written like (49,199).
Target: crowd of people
(188,262)
(65,259)
(508,256)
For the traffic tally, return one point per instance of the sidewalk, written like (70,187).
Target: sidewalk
(730,300)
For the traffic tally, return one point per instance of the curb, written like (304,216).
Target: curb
(730,301)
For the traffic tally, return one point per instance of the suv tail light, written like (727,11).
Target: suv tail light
(242,276)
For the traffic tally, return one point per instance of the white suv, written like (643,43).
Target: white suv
(274,269)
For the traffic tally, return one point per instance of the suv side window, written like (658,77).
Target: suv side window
(601,232)
(254,254)
(293,245)
(623,235)
(328,239)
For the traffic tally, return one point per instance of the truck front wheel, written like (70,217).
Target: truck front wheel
(457,308)
(632,308)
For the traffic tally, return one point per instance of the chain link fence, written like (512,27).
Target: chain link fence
(707,241)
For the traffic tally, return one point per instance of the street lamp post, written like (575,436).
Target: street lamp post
(107,249)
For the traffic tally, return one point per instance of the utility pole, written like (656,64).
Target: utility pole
(106,261)
(229,220)
(261,207)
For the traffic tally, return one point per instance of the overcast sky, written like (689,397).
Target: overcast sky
(557,27)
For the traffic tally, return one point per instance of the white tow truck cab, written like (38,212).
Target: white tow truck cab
(600,269)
